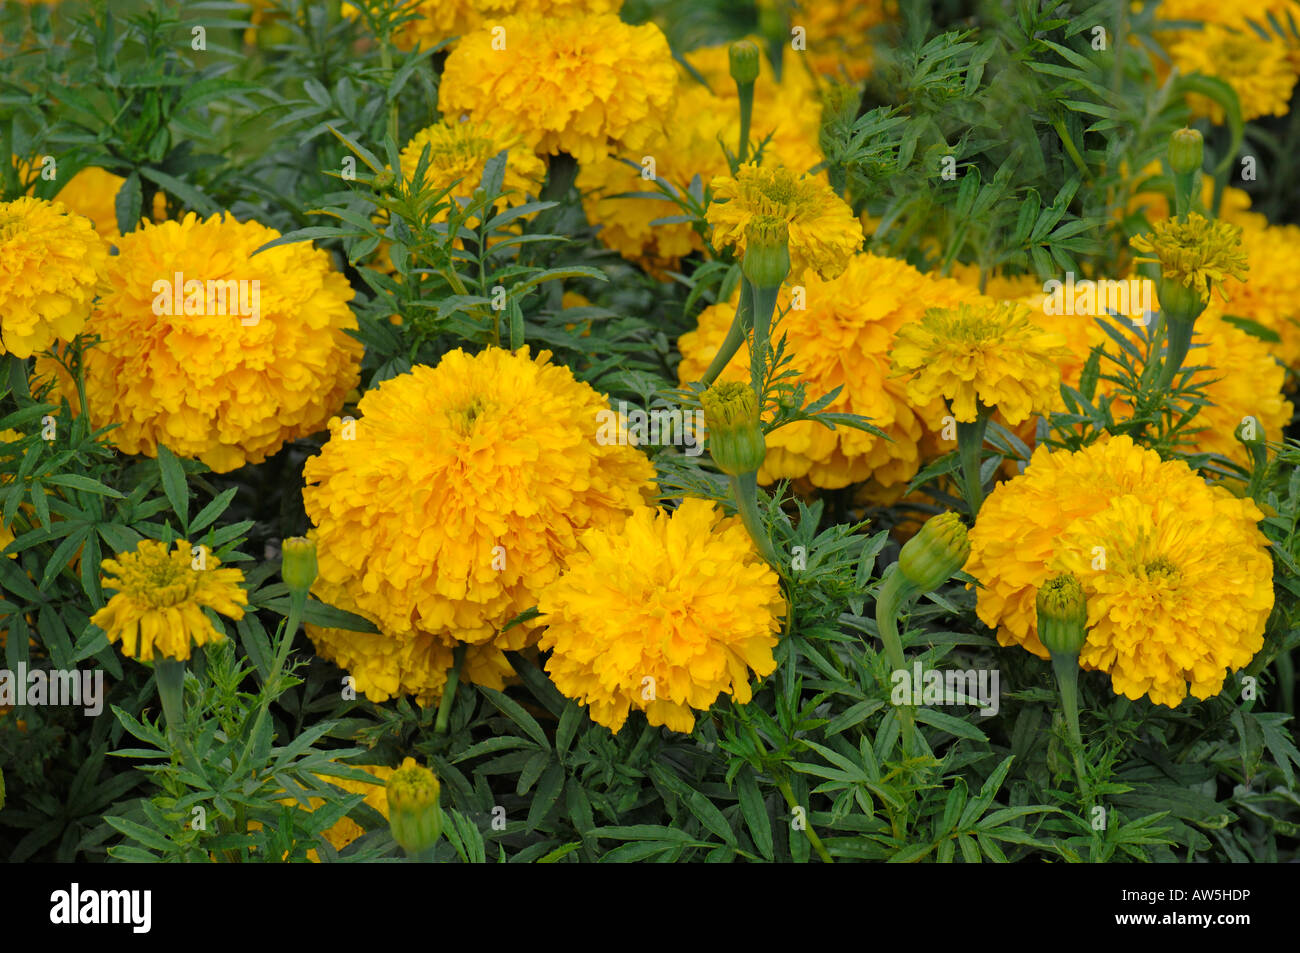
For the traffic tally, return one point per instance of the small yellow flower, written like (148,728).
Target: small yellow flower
(663,615)
(1195,253)
(51,264)
(990,355)
(158,608)
(823,232)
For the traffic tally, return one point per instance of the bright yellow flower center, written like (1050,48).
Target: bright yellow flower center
(157,578)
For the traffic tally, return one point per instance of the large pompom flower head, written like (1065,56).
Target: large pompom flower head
(1177,575)
(212,349)
(584,86)
(52,263)
(663,616)
(444,509)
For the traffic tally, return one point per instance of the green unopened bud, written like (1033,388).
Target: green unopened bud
(1062,615)
(735,432)
(1186,151)
(744,62)
(383,181)
(1178,301)
(767,251)
(298,563)
(414,815)
(929,558)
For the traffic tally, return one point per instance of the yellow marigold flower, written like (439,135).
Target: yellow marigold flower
(256,354)
(690,147)
(1194,253)
(458,151)
(993,356)
(1270,293)
(92,192)
(443,510)
(842,339)
(582,86)
(823,232)
(837,31)
(663,615)
(1259,71)
(1178,579)
(52,261)
(158,608)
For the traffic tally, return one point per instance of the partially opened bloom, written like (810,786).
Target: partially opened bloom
(1194,253)
(52,260)
(442,512)
(664,616)
(823,232)
(157,611)
(981,355)
(587,86)
(1178,579)
(842,339)
(213,351)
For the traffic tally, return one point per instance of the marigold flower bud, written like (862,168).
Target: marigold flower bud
(744,62)
(767,251)
(383,181)
(298,563)
(1186,150)
(735,432)
(929,558)
(1062,615)
(414,815)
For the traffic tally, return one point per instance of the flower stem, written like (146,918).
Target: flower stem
(746,95)
(735,336)
(449,691)
(811,834)
(764,305)
(745,490)
(894,589)
(970,444)
(1066,668)
(1179,333)
(169,674)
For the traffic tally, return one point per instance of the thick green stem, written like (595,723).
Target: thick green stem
(970,445)
(1179,332)
(764,306)
(745,490)
(811,834)
(1066,668)
(449,692)
(169,674)
(894,590)
(735,336)
(746,93)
